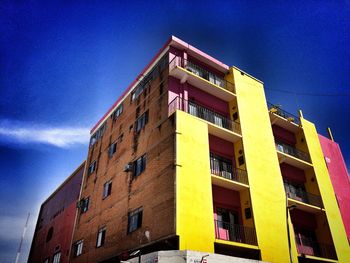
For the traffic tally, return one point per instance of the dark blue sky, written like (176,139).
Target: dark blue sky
(64,63)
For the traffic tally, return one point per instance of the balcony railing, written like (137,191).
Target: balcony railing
(305,197)
(201,72)
(276,109)
(203,113)
(222,168)
(285,148)
(236,233)
(308,246)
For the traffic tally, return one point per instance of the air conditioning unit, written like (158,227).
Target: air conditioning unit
(128,167)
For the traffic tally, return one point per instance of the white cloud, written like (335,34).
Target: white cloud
(62,137)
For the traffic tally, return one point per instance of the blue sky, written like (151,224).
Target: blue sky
(64,63)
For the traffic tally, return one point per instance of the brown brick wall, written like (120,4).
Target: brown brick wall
(153,189)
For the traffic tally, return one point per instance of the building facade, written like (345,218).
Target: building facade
(54,229)
(191,157)
(339,176)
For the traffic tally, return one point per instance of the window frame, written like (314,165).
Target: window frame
(112,149)
(135,220)
(107,189)
(118,111)
(92,167)
(55,256)
(101,234)
(139,165)
(78,248)
(84,205)
(141,121)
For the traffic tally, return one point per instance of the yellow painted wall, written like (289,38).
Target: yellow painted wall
(265,179)
(325,186)
(194,202)
(245,203)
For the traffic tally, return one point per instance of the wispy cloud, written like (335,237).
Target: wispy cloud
(25,133)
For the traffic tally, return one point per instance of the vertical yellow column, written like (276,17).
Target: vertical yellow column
(327,193)
(265,179)
(194,202)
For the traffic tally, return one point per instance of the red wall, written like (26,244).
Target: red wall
(58,212)
(339,177)
(228,199)
(292,173)
(283,135)
(221,147)
(302,219)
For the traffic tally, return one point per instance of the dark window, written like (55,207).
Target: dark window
(92,167)
(78,248)
(241,160)
(139,165)
(141,121)
(135,220)
(112,149)
(248,213)
(84,205)
(49,234)
(118,112)
(57,257)
(101,235)
(107,188)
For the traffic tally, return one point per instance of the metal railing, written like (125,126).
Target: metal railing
(203,113)
(276,109)
(201,72)
(309,246)
(305,197)
(285,148)
(234,232)
(224,169)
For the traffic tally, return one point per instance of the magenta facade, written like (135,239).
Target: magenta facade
(54,228)
(339,176)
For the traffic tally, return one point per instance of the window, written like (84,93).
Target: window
(56,257)
(92,167)
(101,237)
(84,205)
(118,112)
(112,149)
(141,121)
(49,234)
(98,134)
(139,165)
(135,220)
(107,188)
(78,248)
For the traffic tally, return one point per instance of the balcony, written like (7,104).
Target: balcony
(216,121)
(234,178)
(292,156)
(305,201)
(186,70)
(283,118)
(235,233)
(309,247)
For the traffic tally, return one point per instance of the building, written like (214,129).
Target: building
(54,228)
(191,157)
(339,176)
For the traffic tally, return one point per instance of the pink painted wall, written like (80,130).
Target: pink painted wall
(283,135)
(302,219)
(228,199)
(339,176)
(292,174)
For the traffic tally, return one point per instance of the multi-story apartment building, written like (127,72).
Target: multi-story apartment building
(191,157)
(339,176)
(54,229)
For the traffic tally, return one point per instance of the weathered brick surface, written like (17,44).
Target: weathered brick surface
(153,189)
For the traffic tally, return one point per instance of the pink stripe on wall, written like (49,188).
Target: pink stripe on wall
(339,176)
